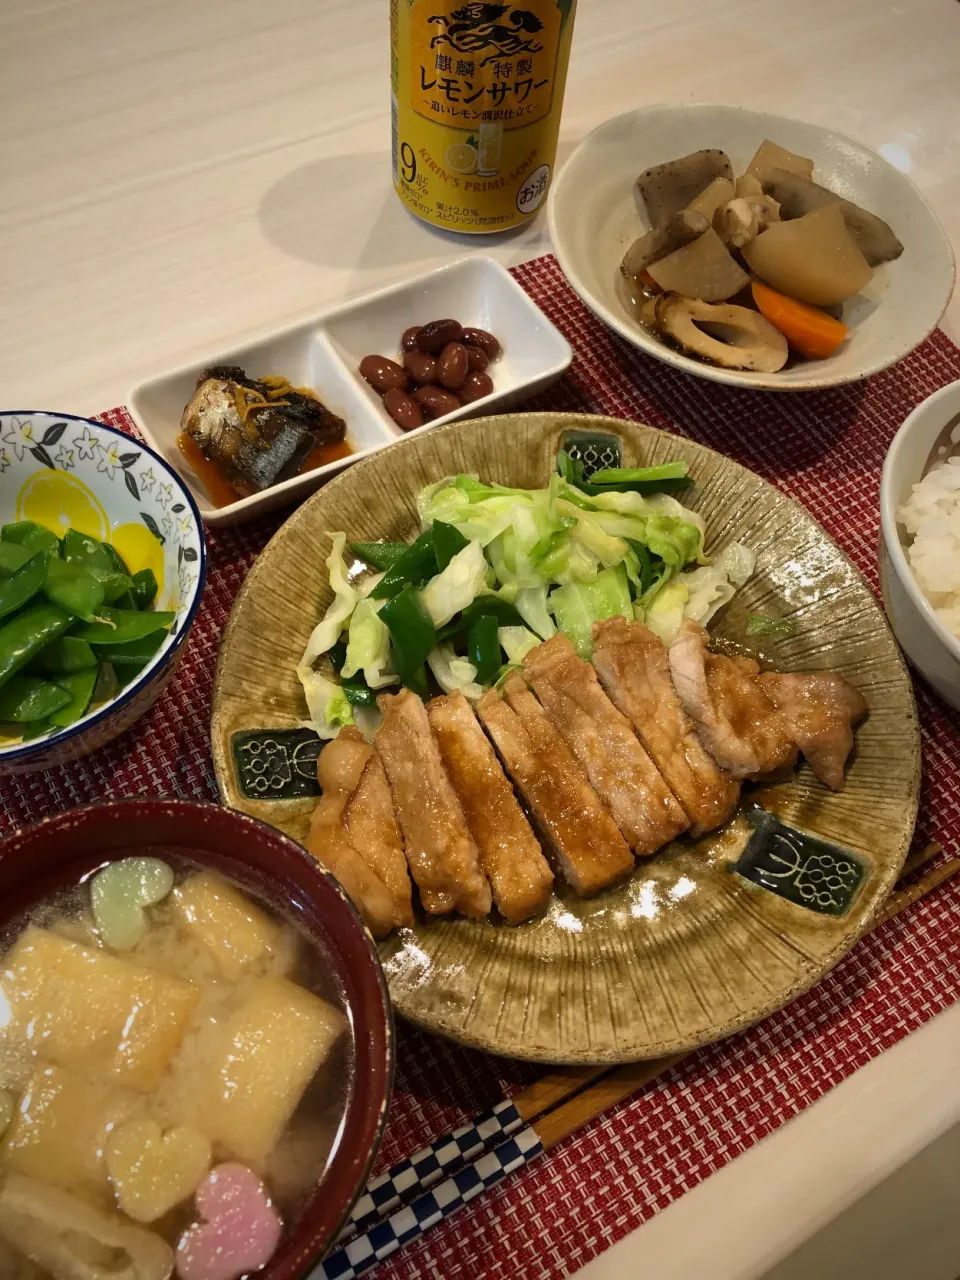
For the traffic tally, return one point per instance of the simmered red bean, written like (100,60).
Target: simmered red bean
(436,402)
(383,374)
(477,358)
(487,343)
(408,340)
(421,368)
(433,337)
(475,387)
(453,366)
(405,411)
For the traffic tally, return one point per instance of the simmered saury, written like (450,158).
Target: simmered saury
(634,670)
(441,853)
(618,767)
(571,817)
(519,875)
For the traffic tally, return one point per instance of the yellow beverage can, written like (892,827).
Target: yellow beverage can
(477,96)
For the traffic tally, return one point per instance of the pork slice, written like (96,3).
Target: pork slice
(820,709)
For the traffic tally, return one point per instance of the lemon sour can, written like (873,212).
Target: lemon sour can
(477,95)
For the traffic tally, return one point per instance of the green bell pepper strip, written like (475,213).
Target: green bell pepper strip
(29,534)
(133,654)
(28,633)
(122,626)
(483,647)
(23,585)
(359,693)
(382,555)
(27,698)
(79,685)
(417,564)
(72,588)
(144,588)
(413,635)
(13,557)
(667,477)
(447,541)
(490,605)
(63,656)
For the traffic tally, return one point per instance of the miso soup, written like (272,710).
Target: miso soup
(172,1051)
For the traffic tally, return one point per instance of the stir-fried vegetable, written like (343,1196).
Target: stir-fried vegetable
(495,570)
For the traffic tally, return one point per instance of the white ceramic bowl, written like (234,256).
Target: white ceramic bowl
(932,649)
(63,471)
(323,354)
(594,217)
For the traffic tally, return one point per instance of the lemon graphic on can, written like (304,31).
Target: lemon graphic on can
(462,156)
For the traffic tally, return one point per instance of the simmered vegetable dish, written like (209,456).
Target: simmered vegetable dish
(743,271)
(75,627)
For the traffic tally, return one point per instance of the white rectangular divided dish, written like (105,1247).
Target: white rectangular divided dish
(323,354)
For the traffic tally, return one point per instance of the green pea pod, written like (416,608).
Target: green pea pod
(13,557)
(417,564)
(134,654)
(80,549)
(121,626)
(413,635)
(73,589)
(27,698)
(447,541)
(29,534)
(37,729)
(484,647)
(27,633)
(115,585)
(107,684)
(144,588)
(79,685)
(382,555)
(68,654)
(23,585)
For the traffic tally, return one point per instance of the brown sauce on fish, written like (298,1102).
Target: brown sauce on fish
(221,493)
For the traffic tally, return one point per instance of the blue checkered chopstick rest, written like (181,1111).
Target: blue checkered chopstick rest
(440,1159)
(407,1224)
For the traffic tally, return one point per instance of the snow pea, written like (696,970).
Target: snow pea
(115,585)
(13,557)
(132,654)
(79,687)
(122,626)
(27,698)
(144,588)
(80,549)
(36,729)
(28,633)
(23,585)
(68,654)
(73,589)
(483,646)
(29,534)
(413,635)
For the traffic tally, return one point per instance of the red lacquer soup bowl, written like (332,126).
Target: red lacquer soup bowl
(53,855)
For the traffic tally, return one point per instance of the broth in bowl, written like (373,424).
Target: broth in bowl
(176,1061)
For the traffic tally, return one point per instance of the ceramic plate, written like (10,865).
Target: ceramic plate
(689,950)
(594,218)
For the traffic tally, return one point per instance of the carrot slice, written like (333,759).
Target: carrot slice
(808,329)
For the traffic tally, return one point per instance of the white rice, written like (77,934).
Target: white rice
(932,515)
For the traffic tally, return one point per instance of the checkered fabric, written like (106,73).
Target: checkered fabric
(366,1251)
(441,1158)
(824,449)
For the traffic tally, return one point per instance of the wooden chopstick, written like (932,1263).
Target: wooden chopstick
(553,1107)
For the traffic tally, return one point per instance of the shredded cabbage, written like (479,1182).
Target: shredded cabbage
(516,642)
(460,582)
(453,674)
(326,703)
(368,647)
(327,631)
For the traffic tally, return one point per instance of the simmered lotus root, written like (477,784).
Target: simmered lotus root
(73,1241)
(813,258)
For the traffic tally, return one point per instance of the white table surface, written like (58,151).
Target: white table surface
(180,175)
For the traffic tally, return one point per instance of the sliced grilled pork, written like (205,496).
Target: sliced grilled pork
(820,709)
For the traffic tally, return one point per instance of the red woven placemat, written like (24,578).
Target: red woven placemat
(825,450)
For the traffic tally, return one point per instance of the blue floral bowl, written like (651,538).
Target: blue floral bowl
(61,472)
